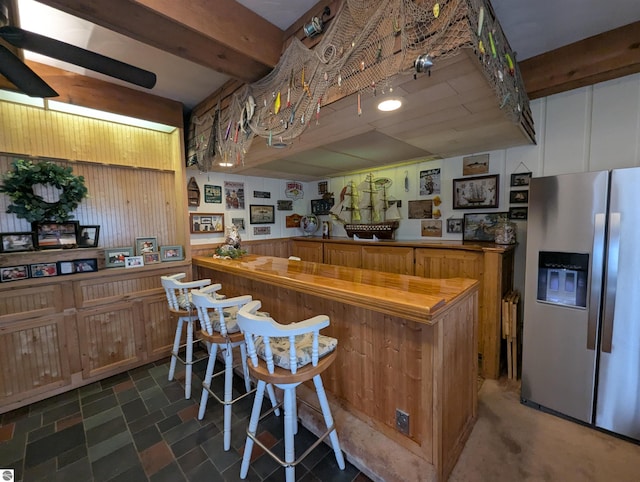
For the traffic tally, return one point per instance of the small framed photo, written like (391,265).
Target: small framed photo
(481,227)
(151,258)
(474,165)
(52,235)
(476,192)
(431,228)
(146,245)
(519,197)
(238,223)
(114,258)
(520,179)
(85,265)
(519,214)
(321,206)
(261,214)
(43,270)
(133,262)
(206,223)
(171,253)
(66,267)
(454,225)
(15,242)
(88,236)
(261,230)
(14,273)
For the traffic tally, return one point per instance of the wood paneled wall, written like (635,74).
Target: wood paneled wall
(125,202)
(44,133)
(135,176)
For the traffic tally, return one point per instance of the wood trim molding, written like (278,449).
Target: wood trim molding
(606,56)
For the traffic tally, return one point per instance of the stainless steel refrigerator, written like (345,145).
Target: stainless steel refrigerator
(581,338)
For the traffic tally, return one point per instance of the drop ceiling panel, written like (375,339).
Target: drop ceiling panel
(324,157)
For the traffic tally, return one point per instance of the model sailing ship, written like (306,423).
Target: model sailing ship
(365,210)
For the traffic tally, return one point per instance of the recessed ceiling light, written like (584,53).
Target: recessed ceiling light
(389,104)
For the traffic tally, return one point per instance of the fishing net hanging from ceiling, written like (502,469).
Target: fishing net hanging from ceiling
(363,49)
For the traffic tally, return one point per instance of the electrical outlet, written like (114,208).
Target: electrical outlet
(402,421)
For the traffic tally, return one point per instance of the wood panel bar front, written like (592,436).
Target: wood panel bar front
(491,264)
(404,343)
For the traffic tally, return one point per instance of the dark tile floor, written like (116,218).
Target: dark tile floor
(137,426)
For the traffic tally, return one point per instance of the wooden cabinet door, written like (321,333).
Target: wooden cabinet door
(111,338)
(388,259)
(448,263)
(349,255)
(308,250)
(35,357)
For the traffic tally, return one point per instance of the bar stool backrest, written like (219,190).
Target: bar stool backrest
(211,310)
(260,330)
(178,291)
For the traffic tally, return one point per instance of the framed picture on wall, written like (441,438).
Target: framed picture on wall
(481,226)
(520,179)
(519,197)
(206,223)
(454,225)
(261,214)
(476,192)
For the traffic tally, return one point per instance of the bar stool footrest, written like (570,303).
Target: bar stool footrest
(183,360)
(230,402)
(306,452)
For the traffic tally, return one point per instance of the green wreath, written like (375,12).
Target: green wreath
(18,184)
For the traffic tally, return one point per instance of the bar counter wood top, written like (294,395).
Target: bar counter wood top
(405,344)
(412,297)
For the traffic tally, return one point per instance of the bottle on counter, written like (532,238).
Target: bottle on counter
(505,232)
(326,229)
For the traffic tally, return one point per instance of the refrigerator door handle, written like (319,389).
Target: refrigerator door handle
(596,279)
(611,282)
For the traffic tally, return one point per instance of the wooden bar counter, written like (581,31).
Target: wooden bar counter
(405,343)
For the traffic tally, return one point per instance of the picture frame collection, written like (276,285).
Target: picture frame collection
(146,251)
(51,235)
(48,269)
(47,236)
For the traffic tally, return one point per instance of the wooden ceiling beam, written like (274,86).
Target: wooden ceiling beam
(222,35)
(606,56)
(86,91)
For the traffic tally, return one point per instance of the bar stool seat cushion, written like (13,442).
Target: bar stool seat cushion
(280,347)
(184,302)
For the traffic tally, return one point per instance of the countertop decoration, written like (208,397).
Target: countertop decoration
(231,249)
(27,204)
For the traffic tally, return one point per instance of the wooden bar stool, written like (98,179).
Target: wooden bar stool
(179,299)
(220,329)
(286,356)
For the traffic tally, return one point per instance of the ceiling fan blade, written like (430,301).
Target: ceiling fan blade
(22,76)
(75,55)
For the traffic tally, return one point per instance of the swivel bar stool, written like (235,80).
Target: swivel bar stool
(286,356)
(180,307)
(220,329)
